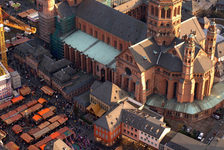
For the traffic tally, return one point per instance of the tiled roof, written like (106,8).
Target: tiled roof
(183,142)
(202,64)
(79,82)
(113,118)
(170,62)
(62,76)
(146,123)
(108,93)
(83,99)
(144,53)
(192,24)
(112,21)
(95,85)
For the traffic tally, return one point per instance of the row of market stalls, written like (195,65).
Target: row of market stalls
(22,111)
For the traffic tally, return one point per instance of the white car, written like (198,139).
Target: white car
(200,136)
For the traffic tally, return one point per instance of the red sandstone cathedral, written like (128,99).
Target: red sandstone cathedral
(164,56)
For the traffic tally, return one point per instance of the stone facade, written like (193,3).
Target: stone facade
(176,60)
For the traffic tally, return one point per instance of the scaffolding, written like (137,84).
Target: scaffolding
(63,27)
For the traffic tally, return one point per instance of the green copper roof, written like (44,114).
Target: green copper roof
(80,40)
(92,47)
(217,96)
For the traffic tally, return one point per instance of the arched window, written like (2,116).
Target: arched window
(152,10)
(130,58)
(147,84)
(178,12)
(168,15)
(175,12)
(128,71)
(156,11)
(163,13)
(127,57)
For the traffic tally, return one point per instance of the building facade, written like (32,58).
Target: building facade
(164,56)
(16,80)
(126,120)
(5,84)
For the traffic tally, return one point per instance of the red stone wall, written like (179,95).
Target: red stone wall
(101,34)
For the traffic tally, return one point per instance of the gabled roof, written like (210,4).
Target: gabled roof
(144,53)
(64,10)
(113,118)
(145,123)
(202,64)
(170,62)
(108,93)
(112,21)
(192,24)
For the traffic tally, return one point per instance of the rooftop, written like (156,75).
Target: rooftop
(183,142)
(143,121)
(113,118)
(108,92)
(92,47)
(83,99)
(78,81)
(117,23)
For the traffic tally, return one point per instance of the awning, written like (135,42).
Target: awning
(17,99)
(12,146)
(4,105)
(93,108)
(42,100)
(26,137)
(96,109)
(43,111)
(54,135)
(47,90)
(17,129)
(36,117)
(100,112)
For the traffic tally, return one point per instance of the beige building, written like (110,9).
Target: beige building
(60,145)
(104,96)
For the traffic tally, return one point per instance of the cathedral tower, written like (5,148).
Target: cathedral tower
(164,19)
(211,40)
(187,83)
(46,21)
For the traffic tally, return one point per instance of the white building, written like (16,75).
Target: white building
(16,80)
(5,84)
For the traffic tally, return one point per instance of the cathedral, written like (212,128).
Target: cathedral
(164,63)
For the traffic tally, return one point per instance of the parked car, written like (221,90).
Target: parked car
(188,129)
(216,116)
(200,136)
